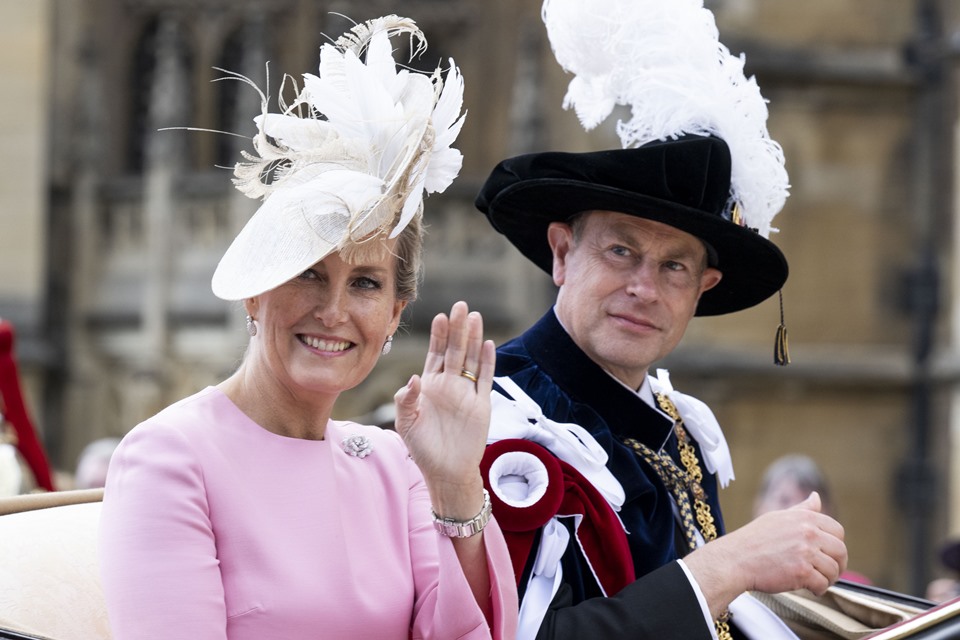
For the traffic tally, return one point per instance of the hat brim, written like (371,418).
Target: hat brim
(753,268)
(276,244)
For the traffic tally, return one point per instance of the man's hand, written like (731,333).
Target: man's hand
(796,548)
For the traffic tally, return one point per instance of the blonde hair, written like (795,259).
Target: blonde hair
(409,256)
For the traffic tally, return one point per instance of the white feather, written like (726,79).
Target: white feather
(396,126)
(297,134)
(445,161)
(664,60)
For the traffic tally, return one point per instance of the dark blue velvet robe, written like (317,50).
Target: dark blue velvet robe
(569,387)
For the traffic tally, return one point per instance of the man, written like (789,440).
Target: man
(638,241)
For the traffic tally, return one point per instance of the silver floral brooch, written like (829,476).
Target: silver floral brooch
(357,445)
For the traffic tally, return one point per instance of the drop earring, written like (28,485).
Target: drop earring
(387,345)
(251,326)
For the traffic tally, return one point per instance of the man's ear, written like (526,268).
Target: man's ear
(709,279)
(560,238)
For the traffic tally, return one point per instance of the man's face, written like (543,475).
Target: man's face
(628,288)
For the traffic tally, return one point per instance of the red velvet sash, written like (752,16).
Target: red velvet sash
(600,534)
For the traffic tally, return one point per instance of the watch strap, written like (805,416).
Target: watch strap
(465,528)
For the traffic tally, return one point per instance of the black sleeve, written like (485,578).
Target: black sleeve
(661,605)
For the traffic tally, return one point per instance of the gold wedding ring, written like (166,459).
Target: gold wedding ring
(469,375)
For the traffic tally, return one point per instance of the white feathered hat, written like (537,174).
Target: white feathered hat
(347,164)
(664,60)
(695,152)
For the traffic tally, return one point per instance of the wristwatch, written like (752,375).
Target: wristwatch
(465,528)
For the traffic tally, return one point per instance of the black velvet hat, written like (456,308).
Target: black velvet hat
(684,183)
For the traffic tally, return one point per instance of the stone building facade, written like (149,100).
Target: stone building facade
(110,230)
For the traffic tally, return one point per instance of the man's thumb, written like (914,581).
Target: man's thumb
(812,503)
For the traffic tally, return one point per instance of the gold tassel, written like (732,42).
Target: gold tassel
(781,351)
(781,348)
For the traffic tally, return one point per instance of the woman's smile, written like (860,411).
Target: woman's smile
(325,344)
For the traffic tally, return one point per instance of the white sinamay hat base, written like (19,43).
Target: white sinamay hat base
(282,239)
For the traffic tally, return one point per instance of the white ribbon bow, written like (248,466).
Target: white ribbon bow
(522,418)
(702,425)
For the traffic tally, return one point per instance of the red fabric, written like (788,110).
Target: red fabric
(536,515)
(520,524)
(600,534)
(15,411)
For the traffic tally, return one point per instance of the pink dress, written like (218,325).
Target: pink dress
(214,527)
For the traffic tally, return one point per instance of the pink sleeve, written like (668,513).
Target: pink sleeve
(445,606)
(158,563)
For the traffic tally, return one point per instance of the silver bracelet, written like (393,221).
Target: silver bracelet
(464,528)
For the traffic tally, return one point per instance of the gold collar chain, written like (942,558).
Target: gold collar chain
(688,457)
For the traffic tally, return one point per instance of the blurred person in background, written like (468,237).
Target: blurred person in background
(93,462)
(789,480)
(948,587)
(15,420)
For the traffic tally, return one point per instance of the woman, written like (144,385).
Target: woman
(245,511)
